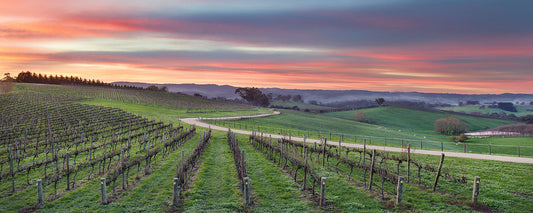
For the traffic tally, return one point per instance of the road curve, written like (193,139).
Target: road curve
(198,122)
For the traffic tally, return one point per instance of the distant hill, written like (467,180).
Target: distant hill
(336,96)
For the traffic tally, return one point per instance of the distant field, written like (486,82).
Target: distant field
(522,109)
(416,120)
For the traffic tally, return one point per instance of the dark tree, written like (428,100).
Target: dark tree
(507,106)
(253,95)
(380,101)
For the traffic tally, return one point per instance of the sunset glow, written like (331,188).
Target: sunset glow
(467,47)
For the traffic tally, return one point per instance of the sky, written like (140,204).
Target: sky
(450,46)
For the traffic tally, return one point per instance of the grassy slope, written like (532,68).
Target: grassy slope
(522,109)
(415,120)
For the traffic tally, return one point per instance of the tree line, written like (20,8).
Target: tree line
(30,77)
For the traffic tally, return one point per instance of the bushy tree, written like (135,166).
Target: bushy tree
(253,95)
(450,126)
(360,116)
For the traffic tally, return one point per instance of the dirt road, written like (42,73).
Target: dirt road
(198,122)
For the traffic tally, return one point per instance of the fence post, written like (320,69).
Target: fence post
(247,190)
(475,192)
(438,172)
(324,152)
(518,150)
(420,144)
(399,190)
(323,191)
(103,189)
(441,149)
(175,195)
(372,169)
(408,162)
(464,147)
(490,150)
(40,199)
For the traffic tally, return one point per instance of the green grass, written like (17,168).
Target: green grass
(216,188)
(272,190)
(522,109)
(416,120)
(505,187)
(508,145)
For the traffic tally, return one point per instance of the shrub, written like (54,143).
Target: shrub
(460,138)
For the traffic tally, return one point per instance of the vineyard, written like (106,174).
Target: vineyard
(59,155)
(66,144)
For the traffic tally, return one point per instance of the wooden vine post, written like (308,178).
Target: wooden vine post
(438,172)
(175,194)
(247,190)
(104,191)
(475,192)
(372,169)
(399,190)
(322,192)
(40,199)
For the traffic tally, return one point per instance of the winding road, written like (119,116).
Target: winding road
(200,123)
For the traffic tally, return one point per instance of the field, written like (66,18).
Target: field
(71,137)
